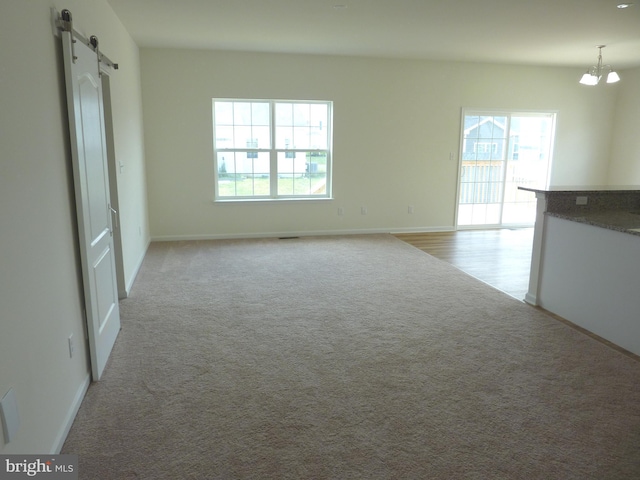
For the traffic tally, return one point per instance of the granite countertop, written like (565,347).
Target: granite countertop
(585,189)
(615,207)
(621,221)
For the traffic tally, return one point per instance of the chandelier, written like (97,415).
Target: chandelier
(595,72)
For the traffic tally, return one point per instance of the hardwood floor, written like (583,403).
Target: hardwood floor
(500,257)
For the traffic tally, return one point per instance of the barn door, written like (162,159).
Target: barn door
(94,213)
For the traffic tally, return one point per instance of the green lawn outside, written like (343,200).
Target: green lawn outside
(247,185)
(242,185)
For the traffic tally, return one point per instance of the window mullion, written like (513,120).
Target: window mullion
(273,158)
(505,158)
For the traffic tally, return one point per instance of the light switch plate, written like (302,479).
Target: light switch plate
(9,415)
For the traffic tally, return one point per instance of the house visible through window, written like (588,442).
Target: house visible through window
(271,149)
(500,152)
(485,147)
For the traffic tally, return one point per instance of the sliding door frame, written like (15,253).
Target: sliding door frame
(509,114)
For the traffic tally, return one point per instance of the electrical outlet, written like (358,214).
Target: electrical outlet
(410,209)
(340,211)
(363,210)
(581,200)
(71,346)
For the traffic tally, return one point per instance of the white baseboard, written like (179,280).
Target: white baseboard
(531,299)
(232,236)
(71,415)
(423,230)
(136,269)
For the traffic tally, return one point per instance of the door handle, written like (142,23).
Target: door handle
(114,213)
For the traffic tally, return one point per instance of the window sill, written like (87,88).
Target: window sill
(253,201)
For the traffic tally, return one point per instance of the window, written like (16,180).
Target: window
(485,147)
(500,152)
(271,149)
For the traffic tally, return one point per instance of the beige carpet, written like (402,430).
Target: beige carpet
(354,357)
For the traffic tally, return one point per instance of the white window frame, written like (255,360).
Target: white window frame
(274,152)
(505,158)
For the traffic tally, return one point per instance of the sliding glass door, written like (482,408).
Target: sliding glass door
(501,151)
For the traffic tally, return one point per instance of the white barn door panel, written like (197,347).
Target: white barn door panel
(94,213)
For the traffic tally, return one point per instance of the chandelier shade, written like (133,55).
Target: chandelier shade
(594,74)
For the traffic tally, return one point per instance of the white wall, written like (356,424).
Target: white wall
(597,292)
(625,148)
(396,124)
(40,287)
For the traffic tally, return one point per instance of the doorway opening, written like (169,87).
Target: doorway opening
(114,167)
(501,151)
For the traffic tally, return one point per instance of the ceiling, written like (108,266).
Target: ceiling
(534,32)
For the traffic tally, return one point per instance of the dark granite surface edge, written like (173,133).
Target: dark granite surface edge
(611,220)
